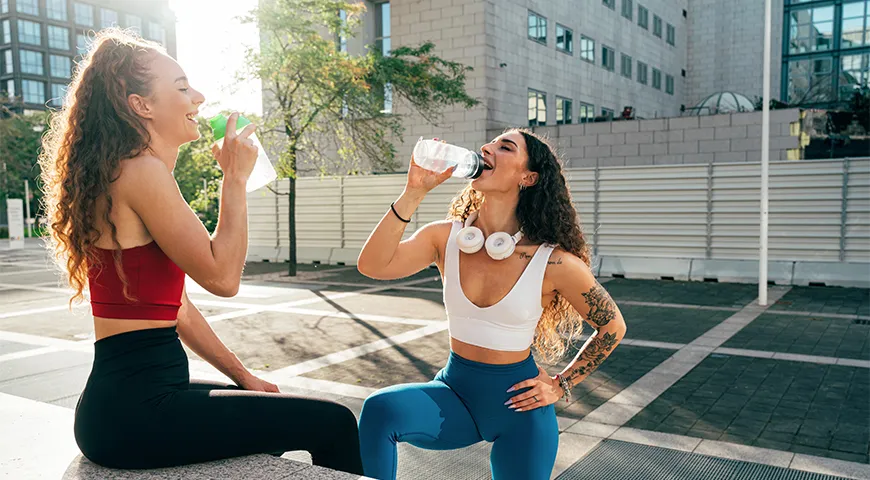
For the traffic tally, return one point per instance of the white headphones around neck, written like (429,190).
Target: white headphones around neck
(499,245)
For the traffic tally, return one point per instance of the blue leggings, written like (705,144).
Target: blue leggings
(463,405)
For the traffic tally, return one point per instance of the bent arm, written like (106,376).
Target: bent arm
(386,257)
(196,333)
(580,288)
(215,262)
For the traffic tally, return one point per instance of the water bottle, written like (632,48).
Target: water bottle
(438,157)
(263,173)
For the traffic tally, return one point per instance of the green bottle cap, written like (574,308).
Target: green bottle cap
(219,125)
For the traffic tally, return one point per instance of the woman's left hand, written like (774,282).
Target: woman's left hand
(543,391)
(255,384)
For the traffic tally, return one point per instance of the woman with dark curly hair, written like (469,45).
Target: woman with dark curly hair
(532,287)
(120,227)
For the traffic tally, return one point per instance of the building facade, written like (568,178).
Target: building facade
(40,41)
(556,62)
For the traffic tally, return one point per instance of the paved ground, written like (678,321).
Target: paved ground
(703,370)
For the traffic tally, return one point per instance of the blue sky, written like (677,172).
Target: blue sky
(211,46)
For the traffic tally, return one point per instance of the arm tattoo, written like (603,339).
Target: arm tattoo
(601,307)
(592,356)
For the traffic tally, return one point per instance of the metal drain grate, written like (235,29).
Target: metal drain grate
(617,460)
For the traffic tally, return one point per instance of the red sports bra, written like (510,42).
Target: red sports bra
(153,280)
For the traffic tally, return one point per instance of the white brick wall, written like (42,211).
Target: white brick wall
(529,64)
(718,43)
(726,48)
(686,140)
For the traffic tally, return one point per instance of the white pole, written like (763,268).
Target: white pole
(27,207)
(765,160)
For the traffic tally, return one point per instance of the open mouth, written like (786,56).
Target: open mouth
(191,117)
(487,164)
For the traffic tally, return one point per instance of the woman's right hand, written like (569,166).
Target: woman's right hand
(238,153)
(422,181)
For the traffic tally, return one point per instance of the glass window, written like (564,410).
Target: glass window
(643,17)
(607,113)
(586,112)
(537,27)
(9,65)
(642,73)
(587,49)
(611,4)
(4,6)
(628,9)
(108,18)
(810,80)
(7,32)
(157,33)
(608,58)
(342,38)
(564,39)
(669,84)
(29,32)
(657,26)
(625,67)
(61,66)
(9,88)
(537,108)
(811,29)
(30,7)
(134,22)
(855,70)
(84,14)
(563,111)
(58,37)
(31,62)
(82,44)
(383,42)
(657,79)
(856,24)
(58,94)
(56,9)
(671,35)
(33,91)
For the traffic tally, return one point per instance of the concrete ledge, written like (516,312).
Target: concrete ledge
(740,271)
(347,256)
(840,274)
(645,267)
(250,467)
(258,253)
(311,254)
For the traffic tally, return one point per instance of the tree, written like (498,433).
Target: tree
(327,106)
(196,165)
(20,141)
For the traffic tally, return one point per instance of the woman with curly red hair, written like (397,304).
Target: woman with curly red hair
(120,227)
(530,286)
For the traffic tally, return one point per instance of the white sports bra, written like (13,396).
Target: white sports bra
(509,325)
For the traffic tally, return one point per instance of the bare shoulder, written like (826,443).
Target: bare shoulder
(438,230)
(566,269)
(142,170)
(437,234)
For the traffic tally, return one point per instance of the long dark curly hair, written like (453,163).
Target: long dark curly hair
(84,146)
(546,215)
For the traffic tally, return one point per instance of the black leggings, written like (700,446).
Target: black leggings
(140,410)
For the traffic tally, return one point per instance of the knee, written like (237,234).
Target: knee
(380,408)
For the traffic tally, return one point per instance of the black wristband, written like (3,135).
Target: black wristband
(393,208)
